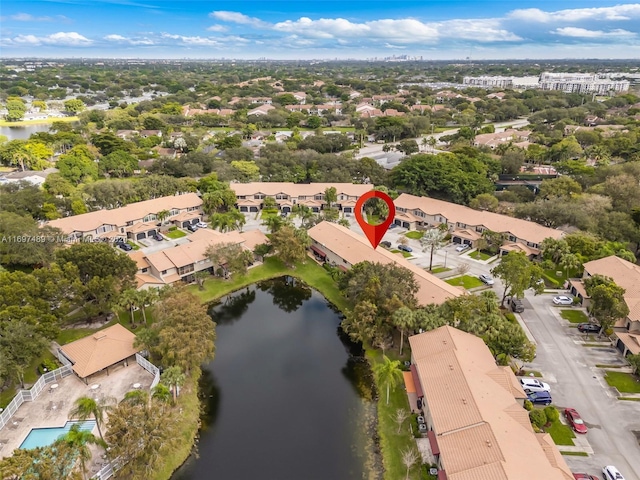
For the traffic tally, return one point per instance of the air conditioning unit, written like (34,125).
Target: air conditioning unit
(422,428)
(420,419)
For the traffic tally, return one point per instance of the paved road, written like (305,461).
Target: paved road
(570,369)
(374,150)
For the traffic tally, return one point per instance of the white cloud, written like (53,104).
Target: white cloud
(237,17)
(131,41)
(69,39)
(480,30)
(27,17)
(217,28)
(584,33)
(194,41)
(615,13)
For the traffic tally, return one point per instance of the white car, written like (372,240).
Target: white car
(486,279)
(534,385)
(462,248)
(611,473)
(201,225)
(562,300)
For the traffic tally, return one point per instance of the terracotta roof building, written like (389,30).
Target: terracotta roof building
(478,427)
(126,222)
(101,350)
(428,211)
(626,275)
(286,194)
(336,244)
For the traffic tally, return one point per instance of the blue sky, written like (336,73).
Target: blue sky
(304,29)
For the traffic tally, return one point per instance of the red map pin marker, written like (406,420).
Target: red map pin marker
(375,232)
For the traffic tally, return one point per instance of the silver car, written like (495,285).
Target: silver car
(534,385)
(486,279)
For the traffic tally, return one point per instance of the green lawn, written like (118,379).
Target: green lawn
(624,382)
(31,376)
(133,244)
(268,212)
(465,281)
(561,433)
(439,269)
(414,235)
(391,443)
(574,316)
(374,219)
(478,255)
(175,234)
(311,273)
(575,454)
(553,280)
(404,254)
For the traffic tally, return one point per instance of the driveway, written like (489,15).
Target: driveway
(569,367)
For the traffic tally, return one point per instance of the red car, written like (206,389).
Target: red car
(584,476)
(574,420)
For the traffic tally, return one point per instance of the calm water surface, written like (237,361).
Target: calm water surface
(23,133)
(287,396)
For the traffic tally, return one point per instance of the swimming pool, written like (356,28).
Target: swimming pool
(41,437)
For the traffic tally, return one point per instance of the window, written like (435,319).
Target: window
(318,197)
(344,261)
(512,238)
(301,197)
(479,229)
(242,197)
(461,225)
(145,270)
(258,197)
(174,211)
(187,269)
(282,196)
(164,272)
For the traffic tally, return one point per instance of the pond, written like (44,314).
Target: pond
(24,132)
(288,396)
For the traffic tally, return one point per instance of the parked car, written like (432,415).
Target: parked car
(405,248)
(386,244)
(574,420)
(563,300)
(486,279)
(201,225)
(534,385)
(393,225)
(611,473)
(516,305)
(462,248)
(125,246)
(540,398)
(584,476)
(158,237)
(589,328)
(192,227)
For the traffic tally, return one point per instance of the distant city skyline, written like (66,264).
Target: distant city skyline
(437,30)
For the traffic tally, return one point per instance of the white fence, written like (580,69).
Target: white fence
(33,393)
(149,367)
(107,471)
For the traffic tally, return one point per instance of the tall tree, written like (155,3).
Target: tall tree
(85,408)
(174,378)
(388,373)
(290,244)
(79,440)
(607,300)
(404,320)
(432,240)
(518,273)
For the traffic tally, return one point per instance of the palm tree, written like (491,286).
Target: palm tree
(273,223)
(129,299)
(162,215)
(161,393)
(136,397)
(174,378)
(387,373)
(569,261)
(432,240)
(78,440)
(146,298)
(85,408)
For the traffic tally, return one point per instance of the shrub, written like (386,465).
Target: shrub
(511,317)
(173,229)
(552,414)
(537,418)
(528,406)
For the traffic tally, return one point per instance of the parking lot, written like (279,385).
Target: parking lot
(570,368)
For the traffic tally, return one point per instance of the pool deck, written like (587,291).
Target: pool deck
(52,407)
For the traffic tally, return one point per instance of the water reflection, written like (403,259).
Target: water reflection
(288,396)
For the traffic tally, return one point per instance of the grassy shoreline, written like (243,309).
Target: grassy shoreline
(24,123)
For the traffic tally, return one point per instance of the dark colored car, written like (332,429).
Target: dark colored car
(393,225)
(574,420)
(192,228)
(157,237)
(588,328)
(405,248)
(540,398)
(584,476)
(517,305)
(386,244)
(125,246)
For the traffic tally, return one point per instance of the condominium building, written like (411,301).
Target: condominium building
(599,84)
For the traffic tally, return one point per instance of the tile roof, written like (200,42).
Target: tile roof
(483,433)
(631,341)
(355,248)
(625,274)
(253,238)
(120,216)
(455,213)
(100,350)
(299,189)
